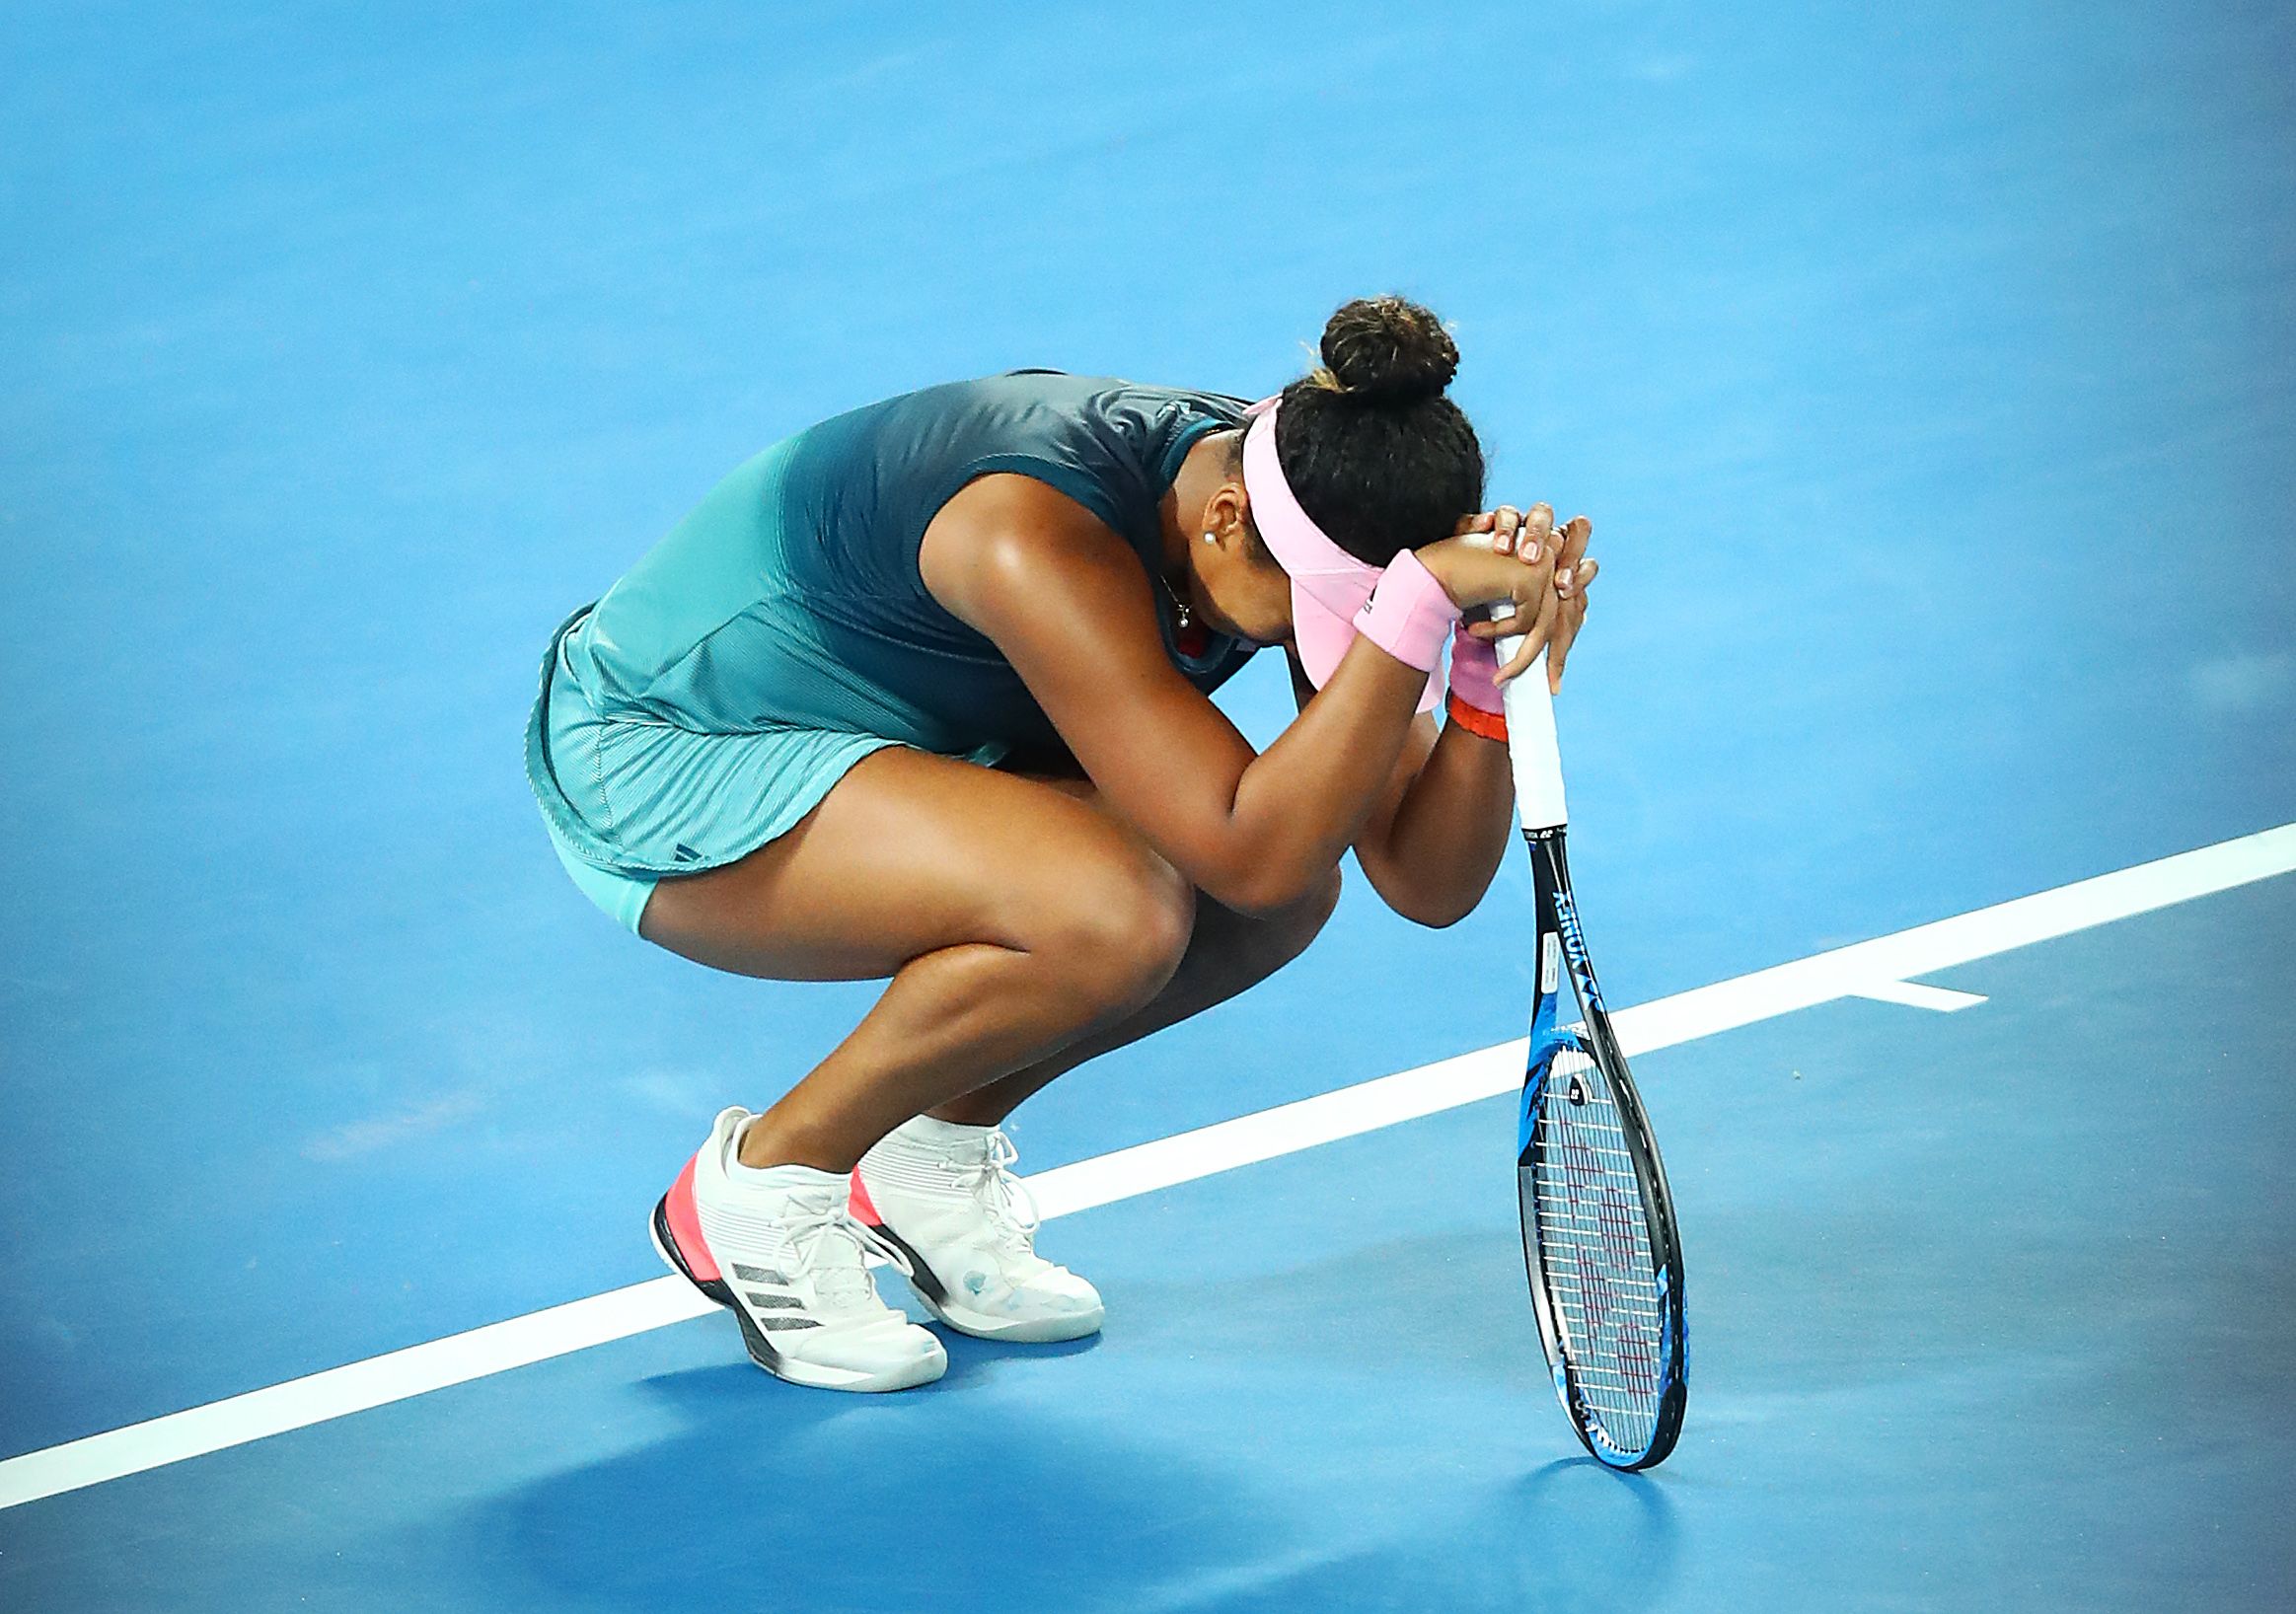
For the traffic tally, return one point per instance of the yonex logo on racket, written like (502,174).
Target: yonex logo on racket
(1575,948)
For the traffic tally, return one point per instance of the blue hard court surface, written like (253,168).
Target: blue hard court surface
(1926,370)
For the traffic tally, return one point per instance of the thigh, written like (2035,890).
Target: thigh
(1245,946)
(909,853)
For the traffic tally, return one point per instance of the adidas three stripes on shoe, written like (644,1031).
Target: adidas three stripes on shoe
(780,1249)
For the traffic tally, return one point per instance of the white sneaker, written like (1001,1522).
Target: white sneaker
(943,1200)
(779,1250)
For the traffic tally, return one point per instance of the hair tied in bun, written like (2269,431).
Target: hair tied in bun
(1368,445)
(1387,350)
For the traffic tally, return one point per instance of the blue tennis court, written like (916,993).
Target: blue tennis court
(1926,373)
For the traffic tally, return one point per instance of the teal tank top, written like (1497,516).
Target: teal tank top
(792,596)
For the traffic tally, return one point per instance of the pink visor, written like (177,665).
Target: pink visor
(1328,584)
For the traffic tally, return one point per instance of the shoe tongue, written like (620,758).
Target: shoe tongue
(811,1201)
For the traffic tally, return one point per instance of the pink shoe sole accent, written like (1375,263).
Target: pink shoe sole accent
(863,1208)
(686,1228)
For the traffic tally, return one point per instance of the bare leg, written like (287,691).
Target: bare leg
(1024,930)
(1014,920)
(1228,954)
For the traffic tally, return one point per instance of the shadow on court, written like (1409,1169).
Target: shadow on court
(776,1497)
(791,1499)
(1570,1536)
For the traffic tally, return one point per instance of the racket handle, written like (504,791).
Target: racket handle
(1530,742)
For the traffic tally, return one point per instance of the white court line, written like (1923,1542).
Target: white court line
(1685,1017)
(1913,994)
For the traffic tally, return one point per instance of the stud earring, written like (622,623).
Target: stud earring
(1211,538)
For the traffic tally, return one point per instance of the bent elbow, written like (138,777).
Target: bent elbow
(1437,910)
(1437,918)
(1263,892)
(1431,915)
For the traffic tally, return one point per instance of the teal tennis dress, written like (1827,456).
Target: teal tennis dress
(781,632)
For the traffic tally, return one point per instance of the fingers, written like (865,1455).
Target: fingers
(1535,617)
(1500,624)
(1504,525)
(1524,655)
(1574,534)
(1566,634)
(1572,617)
(1547,619)
(1532,531)
(1518,533)
(1527,535)
(1500,628)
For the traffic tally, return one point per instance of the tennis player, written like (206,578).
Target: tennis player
(924,693)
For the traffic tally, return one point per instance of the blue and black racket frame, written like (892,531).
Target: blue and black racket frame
(1620,1368)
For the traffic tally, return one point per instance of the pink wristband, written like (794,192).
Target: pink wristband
(1475,673)
(1409,615)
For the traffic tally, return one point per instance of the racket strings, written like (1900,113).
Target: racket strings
(1595,1248)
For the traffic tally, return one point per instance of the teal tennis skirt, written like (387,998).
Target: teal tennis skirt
(629,800)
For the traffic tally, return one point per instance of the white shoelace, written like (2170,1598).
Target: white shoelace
(1003,1198)
(827,1245)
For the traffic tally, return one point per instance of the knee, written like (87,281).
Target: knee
(1124,932)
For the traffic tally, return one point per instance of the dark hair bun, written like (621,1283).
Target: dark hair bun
(1386,349)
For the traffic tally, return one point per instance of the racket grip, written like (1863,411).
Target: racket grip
(1531,748)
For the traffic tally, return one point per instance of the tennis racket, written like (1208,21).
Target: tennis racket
(1599,1239)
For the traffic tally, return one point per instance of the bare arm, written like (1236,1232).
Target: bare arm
(1066,602)
(1441,827)
(1439,831)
